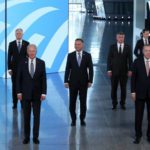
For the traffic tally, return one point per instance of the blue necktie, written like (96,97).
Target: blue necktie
(32,69)
(19,46)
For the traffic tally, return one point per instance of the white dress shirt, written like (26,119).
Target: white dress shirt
(145,60)
(77,54)
(145,41)
(17,41)
(122,46)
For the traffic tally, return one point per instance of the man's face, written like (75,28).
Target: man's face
(19,35)
(120,38)
(78,45)
(31,52)
(146,52)
(146,34)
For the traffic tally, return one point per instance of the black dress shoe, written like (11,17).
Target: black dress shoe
(83,123)
(73,123)
(14,107)
(36,141)
(114,107)
(137,140)
(26,141)
(123,107)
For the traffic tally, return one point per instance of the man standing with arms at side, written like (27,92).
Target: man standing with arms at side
(145,40)
(17,51)
(119,68)
(31,89)
(140,91)
(78,78)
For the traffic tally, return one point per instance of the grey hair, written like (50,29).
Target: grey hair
(31,45)
(19,29)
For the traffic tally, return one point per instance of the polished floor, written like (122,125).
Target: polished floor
(105,130)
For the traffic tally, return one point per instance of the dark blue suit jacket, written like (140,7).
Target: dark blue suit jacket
(31,88)
(77,75)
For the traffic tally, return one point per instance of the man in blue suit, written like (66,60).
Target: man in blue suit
(31,89)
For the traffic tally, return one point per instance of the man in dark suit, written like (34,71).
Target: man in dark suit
(78,77)
(119,68)
(138,51)
(31,89)
(17,51)
(140,89)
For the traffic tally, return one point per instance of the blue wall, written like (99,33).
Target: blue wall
(45,23)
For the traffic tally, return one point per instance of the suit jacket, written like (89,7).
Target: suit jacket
(140,82)
(138,51)
(119,64)
(14,56)
(31,88)
(77,75)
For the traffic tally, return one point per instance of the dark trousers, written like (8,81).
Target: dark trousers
(27,106)
(74,91)
(14,93)
(139,112)
(115,80)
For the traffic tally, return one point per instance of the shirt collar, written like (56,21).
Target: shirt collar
(18,41)
(144,39)
(79,52)
(145,59)
(31,59)
(118,44)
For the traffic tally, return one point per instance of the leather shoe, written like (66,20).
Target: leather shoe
(36,141)
(114,107)
(14,107)
(137,140)
(26,141)
(123,107)
(73,123)
(83,123)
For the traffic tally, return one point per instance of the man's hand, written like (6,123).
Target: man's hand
(129,73)
(10,72)
(89,84)
(109,73)
(43,97)
(133,96)
(19,96)
(66,85)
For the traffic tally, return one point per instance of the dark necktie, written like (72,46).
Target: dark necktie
(19,46)
(79,59)
(120,49)
(32,69)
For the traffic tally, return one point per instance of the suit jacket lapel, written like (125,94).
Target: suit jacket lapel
(36,67)
(27,66)
(82,60)
(143,66)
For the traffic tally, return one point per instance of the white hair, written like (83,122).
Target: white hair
(19,29)
(31,45)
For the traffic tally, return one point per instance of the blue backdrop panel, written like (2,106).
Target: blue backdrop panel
(45,23)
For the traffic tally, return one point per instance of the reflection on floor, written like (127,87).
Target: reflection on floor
(105,130)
